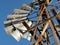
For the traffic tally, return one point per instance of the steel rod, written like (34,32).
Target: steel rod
(44,29)
(41,12)
(52,28)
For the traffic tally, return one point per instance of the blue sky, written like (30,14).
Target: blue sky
(6,8)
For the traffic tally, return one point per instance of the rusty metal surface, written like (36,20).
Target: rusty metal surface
(52,28)
(41,12)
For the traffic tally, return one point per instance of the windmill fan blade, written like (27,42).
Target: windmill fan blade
(19,11)
(35,5)
(27,36)
(8,23)
(26,7)
(22,27)
(16,16)
(17,35)
(8,30)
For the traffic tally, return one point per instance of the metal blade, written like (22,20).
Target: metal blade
(22,27)
(17,35)
(27,36)
(26,7)
(8,23)
(9,29)
(19,11)
(16,16)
